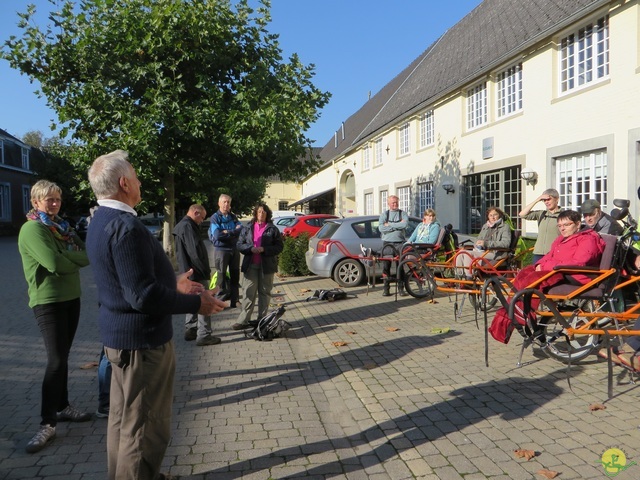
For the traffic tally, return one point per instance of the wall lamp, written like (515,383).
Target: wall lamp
(529,176)
(449,188)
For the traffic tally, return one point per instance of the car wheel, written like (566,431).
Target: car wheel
(348,273)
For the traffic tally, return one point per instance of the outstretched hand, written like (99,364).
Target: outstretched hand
(210,304)
(188,286)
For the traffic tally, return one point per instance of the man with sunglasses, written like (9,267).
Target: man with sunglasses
(547,221)
(595,218)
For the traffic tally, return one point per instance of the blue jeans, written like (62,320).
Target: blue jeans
(104,382)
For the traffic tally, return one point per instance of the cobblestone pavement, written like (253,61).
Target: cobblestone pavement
(397,401)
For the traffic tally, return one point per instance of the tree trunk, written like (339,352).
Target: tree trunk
(169,217)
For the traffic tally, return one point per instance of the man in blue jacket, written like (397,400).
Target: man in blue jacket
(223,233)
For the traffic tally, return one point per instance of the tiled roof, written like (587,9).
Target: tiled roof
(494,32)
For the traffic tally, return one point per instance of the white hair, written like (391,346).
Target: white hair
(106,171)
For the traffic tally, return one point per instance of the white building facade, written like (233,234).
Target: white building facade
(551,89)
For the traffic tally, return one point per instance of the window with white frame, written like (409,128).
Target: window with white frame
(384,196)
(584,55)
(378,152)
(5,202)
(366,161)
(368,203)
(425,197)
(25,158)
(404,139)
(426,129)
(404,198)
(26,198)
(582,176)
(510,91)
(477,106)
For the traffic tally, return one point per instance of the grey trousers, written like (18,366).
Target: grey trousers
(255,283)
(140,411)
(200,323)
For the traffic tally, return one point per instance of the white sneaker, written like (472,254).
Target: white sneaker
(45,434)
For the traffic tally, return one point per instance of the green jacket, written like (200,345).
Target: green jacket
(51,271)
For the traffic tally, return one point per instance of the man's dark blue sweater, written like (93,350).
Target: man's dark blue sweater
(136,282)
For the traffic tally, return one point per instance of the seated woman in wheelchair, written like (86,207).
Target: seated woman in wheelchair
(428,231)
(573,247)
(495,234)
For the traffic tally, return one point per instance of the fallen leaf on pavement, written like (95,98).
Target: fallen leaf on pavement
(351,333)
(392,329)
(89,365)
(369,365)
(440,330)
(528,454)
(340,344)
(596,406)
(431,301)
(547,473)
(305,290)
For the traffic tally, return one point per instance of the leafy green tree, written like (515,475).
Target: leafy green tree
(196,91)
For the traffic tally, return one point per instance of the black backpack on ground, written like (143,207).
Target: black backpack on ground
(330,295)
(268,327)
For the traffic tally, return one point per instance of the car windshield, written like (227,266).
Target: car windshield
(285,222)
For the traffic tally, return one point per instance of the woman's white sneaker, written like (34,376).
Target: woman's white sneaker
(45,434)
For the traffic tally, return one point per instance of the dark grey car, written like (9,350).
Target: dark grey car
(333,251)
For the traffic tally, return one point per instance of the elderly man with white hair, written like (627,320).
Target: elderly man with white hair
(137,293)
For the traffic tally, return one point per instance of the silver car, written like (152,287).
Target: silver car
(333,251)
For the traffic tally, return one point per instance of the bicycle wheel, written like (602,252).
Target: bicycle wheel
(418,280)
(578,348)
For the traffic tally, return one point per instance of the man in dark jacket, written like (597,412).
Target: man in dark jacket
(223,233)
(192,254)
(137,294)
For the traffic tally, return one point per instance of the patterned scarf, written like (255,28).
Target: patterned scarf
(57,225)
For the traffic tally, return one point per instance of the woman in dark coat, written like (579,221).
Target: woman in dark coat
(260,242)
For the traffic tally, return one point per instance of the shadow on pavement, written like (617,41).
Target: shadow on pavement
(294,375)
(508,399)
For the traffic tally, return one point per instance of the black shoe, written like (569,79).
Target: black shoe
(240,326)
(209,340)
(71,414)
(102,413)
(190,334)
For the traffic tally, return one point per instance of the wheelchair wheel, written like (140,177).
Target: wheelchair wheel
(578,348)
(418,280)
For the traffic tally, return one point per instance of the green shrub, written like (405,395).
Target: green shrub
(292,260)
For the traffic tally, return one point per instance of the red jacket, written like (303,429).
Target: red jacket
(583,248)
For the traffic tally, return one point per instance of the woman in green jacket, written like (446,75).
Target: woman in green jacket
(52,255)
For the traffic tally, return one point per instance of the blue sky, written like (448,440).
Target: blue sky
(357,47)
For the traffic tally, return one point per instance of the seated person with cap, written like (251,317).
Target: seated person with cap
(599,221)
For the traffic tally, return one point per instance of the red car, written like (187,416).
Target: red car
(306,224)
